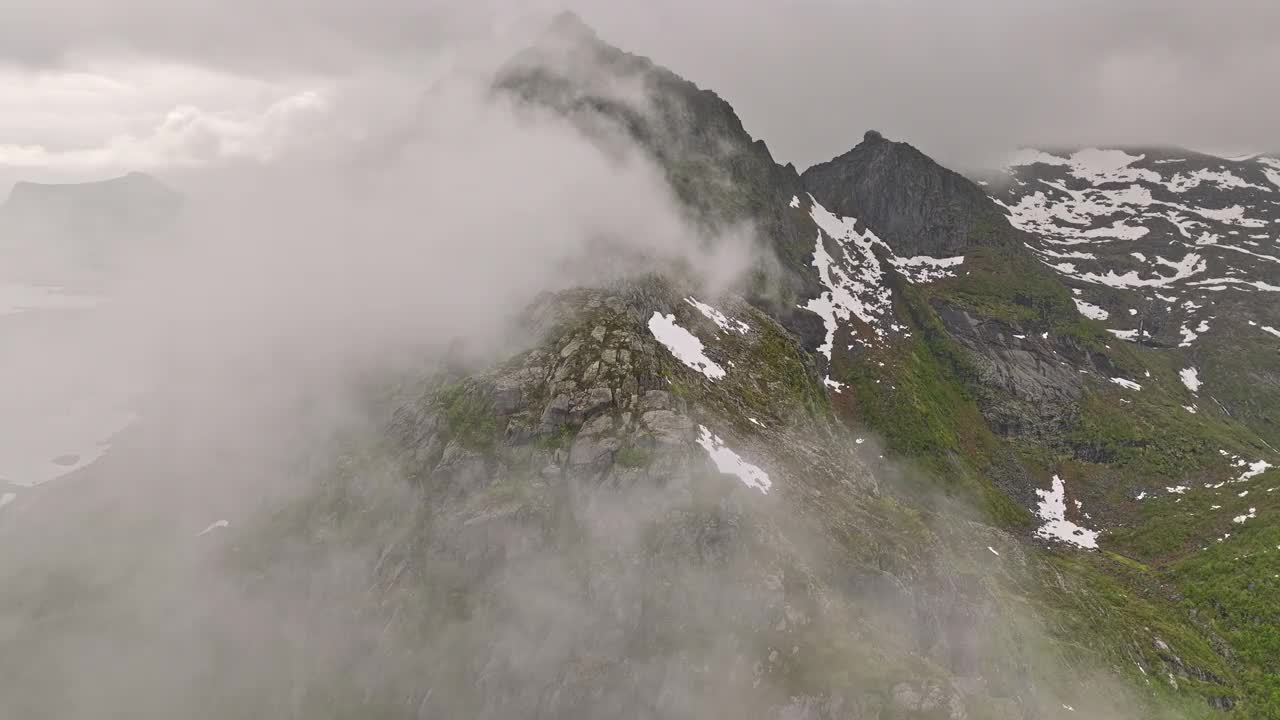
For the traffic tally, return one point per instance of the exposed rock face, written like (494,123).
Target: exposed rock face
(461,469)
(685,586)
(1025,386)
(914,204)
(1034,393)
(715,167)
(579,396)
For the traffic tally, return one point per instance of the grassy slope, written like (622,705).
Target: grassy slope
(920,394)
(1153,581)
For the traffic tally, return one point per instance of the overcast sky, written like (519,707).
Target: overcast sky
(93,87)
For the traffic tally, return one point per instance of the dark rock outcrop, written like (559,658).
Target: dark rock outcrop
(914,204)
(1031,391)
(718,171)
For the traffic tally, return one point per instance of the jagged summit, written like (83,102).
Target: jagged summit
(714,166)
(572,69)
(914,204)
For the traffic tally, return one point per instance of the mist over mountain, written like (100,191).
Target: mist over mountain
(70,234)
(561,396)
(134,199)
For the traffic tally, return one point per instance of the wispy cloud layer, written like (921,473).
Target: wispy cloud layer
(964,81)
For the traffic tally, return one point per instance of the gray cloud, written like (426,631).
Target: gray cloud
(964,81)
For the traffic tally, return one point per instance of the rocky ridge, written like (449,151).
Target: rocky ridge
(895,473)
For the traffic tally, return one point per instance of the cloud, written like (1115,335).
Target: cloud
(187,136)
(250,330)
(110,117)
(964,81)
(422,231)
(326,235)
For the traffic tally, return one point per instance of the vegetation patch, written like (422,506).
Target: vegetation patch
(468,416)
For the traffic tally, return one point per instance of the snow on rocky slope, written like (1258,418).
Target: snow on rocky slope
(854,276)
(1165,241)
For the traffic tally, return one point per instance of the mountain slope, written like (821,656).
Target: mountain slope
(983,369)
(894,473)
(723,176)
(1171,249)
(914,204)
(986,369)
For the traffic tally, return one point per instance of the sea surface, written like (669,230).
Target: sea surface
(65,390)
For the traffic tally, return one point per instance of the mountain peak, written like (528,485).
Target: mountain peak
(911,202)
(131,202)
(131,181)
(569,23)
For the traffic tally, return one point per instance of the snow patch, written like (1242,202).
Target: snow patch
(853,276)
(1271,169)
(1255,469)
(727,461)
(1190,264)
(725,322)
(1053,511)
(924,269)
(1189,336)
(1091,311)
(1225,180)
(1031,156)
(683,345)
(1126,383)
(1130,335)
(1255,284)
(854,281)
(1191,378)
(1109,166)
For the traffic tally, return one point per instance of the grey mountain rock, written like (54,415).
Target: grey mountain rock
(912,203)
(722,174)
